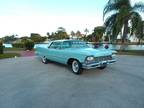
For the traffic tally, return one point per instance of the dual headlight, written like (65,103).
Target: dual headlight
(90,59)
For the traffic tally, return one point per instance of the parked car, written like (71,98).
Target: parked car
(77,54)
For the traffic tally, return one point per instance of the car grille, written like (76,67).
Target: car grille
(103,58)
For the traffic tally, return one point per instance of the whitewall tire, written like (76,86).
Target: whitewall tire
(76,67)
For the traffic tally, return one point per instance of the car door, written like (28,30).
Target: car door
(55,52)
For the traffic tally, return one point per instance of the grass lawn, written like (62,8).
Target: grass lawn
(12,52)
(131,52)
(13,49)
(9,55)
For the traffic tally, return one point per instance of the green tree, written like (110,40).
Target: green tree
(24,38)
(142,38)
(1,47)
(48,34)
(51,36)
(106,38)
(123,14)
(28,44)
(139,34)
(61,34)
(37,38)
(90,38)
(98,33)
(9,39)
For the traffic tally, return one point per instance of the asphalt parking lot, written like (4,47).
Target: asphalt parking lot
(27,83)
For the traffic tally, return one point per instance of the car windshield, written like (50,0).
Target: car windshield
(75,44)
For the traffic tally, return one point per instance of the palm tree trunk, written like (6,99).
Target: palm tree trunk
(125,31)
(139,41)
(124,35)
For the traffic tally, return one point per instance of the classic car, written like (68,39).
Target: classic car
(77,54)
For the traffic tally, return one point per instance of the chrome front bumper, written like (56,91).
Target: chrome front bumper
(98,64)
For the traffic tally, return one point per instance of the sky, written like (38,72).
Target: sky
(23,17)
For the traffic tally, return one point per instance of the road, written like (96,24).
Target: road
(27,83)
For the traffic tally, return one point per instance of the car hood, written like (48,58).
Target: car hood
(92,51)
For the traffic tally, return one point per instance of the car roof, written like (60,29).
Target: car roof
(65,40)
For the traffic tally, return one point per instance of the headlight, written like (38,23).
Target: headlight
(91,58)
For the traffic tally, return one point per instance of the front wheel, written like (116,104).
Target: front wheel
(76,67)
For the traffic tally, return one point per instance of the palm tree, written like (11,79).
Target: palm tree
(78,34)
(98,33)
(61,29)
(86,32)
(140,33)
(72,34)
(123,15)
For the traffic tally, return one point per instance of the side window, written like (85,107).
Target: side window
(66,44)
(55,45)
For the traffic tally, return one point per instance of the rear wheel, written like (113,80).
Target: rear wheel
(76,67)
(44,60)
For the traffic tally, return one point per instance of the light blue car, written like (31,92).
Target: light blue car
(77,54)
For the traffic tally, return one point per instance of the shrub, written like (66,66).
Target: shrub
(29,44)
(1,47)
(18,45)
(1,42)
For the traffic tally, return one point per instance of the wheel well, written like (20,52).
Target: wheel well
(70,60)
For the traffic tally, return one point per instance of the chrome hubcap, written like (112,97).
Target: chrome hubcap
(75,66)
